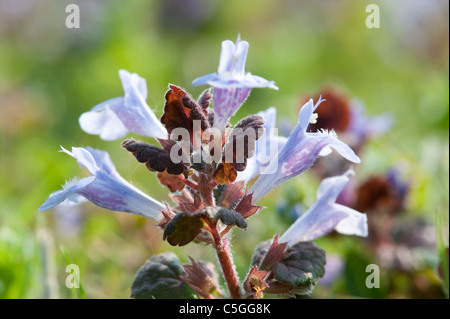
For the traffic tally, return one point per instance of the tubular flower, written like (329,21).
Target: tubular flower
(325,215)
(298,153)
(231,84)
(105,188)
(116,117)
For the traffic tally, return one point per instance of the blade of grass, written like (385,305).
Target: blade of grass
(442,248)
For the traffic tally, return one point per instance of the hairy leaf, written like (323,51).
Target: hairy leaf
(240,146)
(205,100)
(230,217)
(242,140)
(161,278)
(303,264)
(229,195)
(295,273)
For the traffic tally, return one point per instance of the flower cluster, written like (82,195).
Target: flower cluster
(207,163)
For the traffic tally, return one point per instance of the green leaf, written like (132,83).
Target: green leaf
(184,227)
(303,264)
(160,278)
(296,272)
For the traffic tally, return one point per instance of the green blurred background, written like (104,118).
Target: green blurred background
(49,75)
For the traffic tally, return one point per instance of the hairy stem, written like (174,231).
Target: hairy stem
(208,198)
(226,262)
(205,188)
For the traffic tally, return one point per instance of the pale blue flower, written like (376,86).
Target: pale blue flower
(231,83)
(299,152)
(325,215)
(363,126)
(105,188)
(116,117)
(231,71)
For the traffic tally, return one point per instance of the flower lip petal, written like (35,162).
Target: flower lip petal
(103,160)
(58,197)
(136,115)
(240,56)
(306,111)
(226,56)
(334,185)
(231,70)
(354,224)
(103,121)
(131,81)
(116,117)
(205,79)
(305,114)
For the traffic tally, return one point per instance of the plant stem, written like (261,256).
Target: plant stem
(228,269)
(206,189)
(208,198)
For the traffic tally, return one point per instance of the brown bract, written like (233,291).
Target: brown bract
(225,173)
(246,208)
(240,146)
(156,159)
(175,183)
(201,277)
(255,283)
(180,110)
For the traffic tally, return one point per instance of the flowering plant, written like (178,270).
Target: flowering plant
(207,164)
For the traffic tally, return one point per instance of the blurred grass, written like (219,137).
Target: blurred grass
(49,75)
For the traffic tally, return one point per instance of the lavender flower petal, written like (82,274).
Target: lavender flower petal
(232,57)
(226,102)
(102,121)
(115,118)
(68,195)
